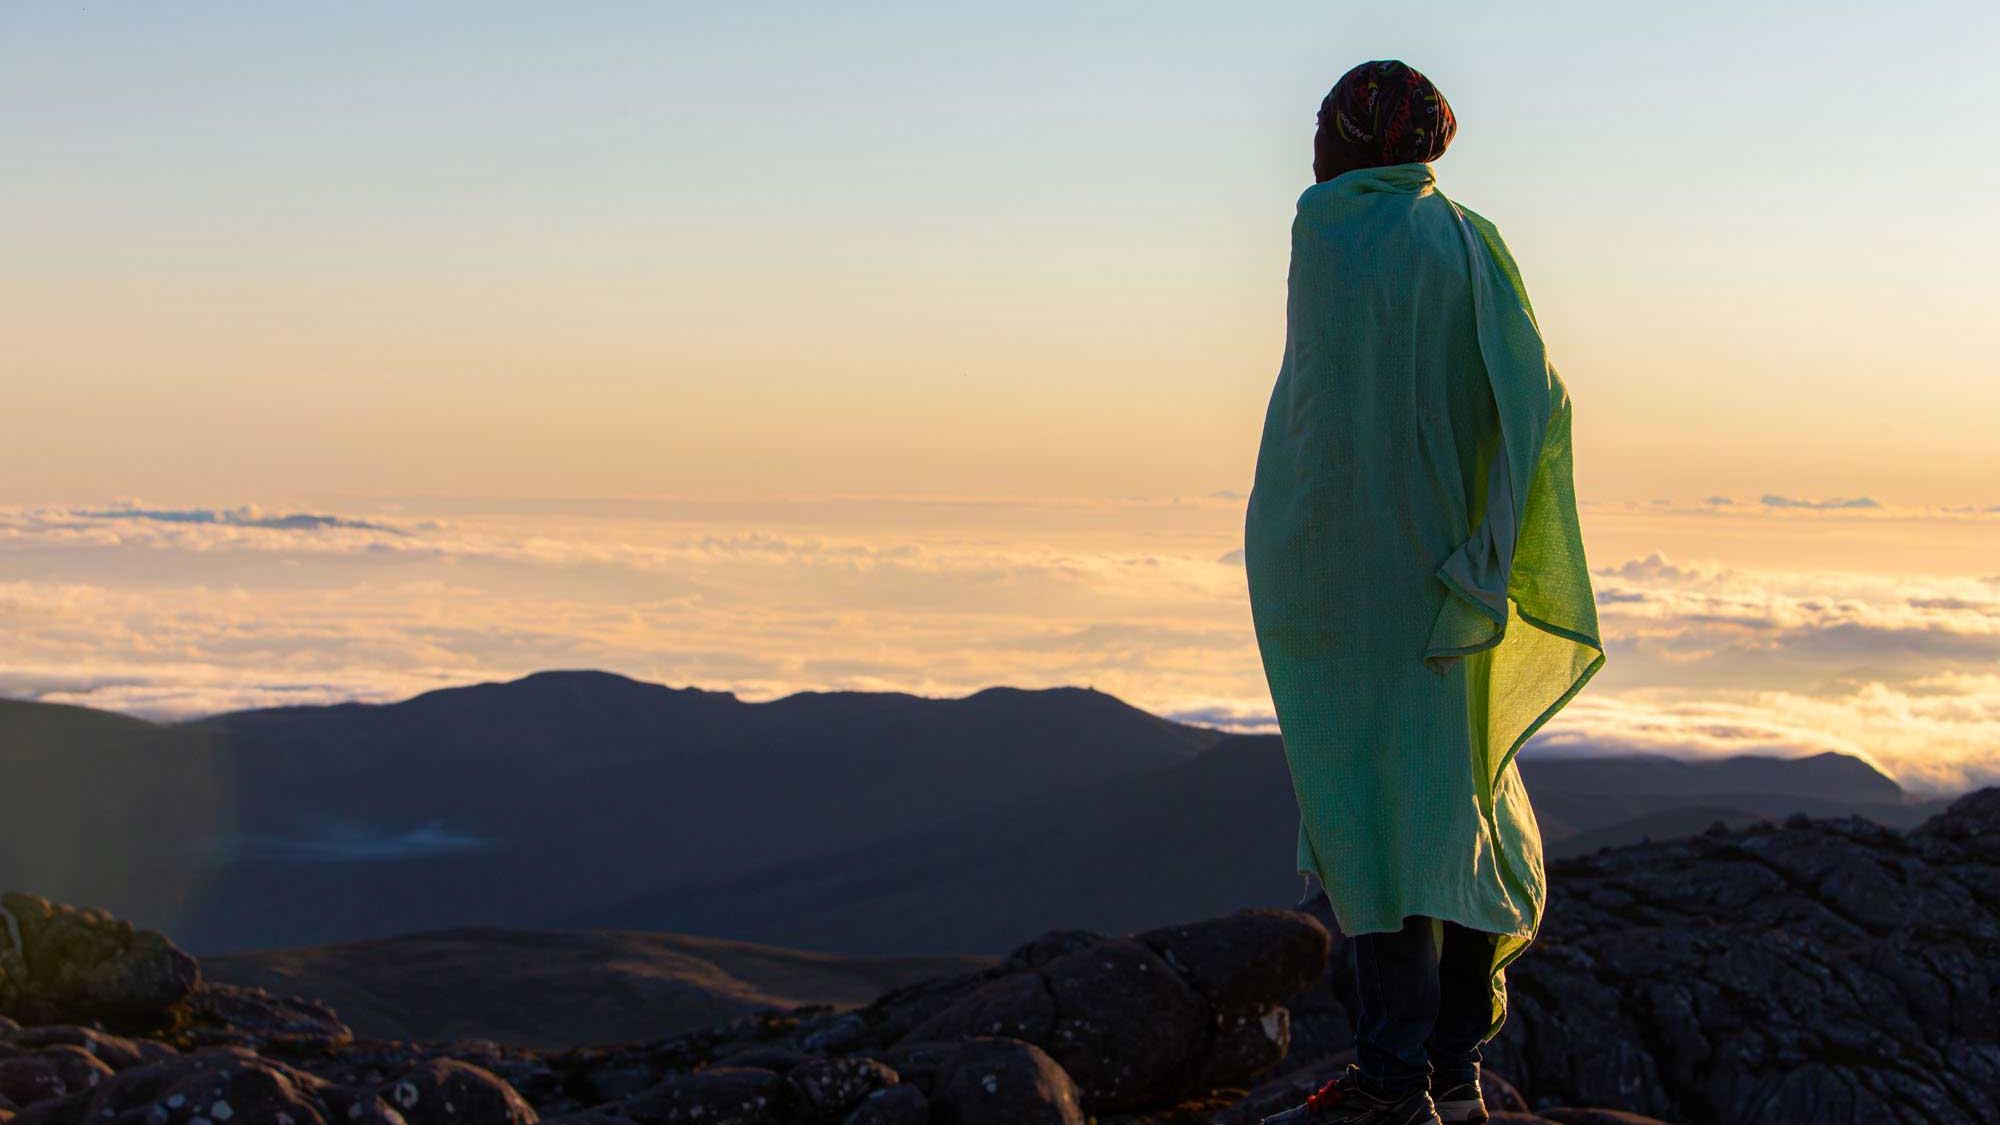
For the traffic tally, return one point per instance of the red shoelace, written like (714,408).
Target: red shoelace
(1327,1096)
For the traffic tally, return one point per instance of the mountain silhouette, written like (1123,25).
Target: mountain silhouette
(1204,836)
(515,803)
(853,822)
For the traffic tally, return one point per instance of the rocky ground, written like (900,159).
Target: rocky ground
(1815,971)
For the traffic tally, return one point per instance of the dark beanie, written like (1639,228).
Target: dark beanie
(1385,112)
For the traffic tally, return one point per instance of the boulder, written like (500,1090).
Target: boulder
(254,1017)
(27,1079)
(995,1081)
(1039,951)
(67,964)
(450,1092)
(1249,961)
(1018,1006)
(716,1095)
(1136,1020)
(1128,1029)
(373,1064)
(1245,1044)
(1971,822)
(212,1086)
(894,1014)
(609,1077)
(116,1051)
(901,1104)
(75,1068)
(830,1086)
(836,1031)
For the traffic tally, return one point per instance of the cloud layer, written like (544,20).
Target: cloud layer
(1902,670)
(176,611)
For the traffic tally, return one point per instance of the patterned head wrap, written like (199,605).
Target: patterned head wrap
(1383,113)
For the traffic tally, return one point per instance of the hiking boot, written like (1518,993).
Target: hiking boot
(1461,1103)
(1343,1101)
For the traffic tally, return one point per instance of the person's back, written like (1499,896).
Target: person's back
(1418,589)
(1364,398)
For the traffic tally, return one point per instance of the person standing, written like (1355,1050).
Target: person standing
(1419,591)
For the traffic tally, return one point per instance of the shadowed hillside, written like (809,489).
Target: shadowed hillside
(555,988)
(520,803)
(848,822)
(1207,835)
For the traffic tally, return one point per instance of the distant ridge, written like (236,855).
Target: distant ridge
(1203,836)
(855,822)
(25,726)
(516,803)
(1826,775)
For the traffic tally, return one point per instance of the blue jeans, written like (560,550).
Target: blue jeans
(1424,1004)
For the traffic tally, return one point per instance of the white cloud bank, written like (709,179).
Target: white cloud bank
(174,612)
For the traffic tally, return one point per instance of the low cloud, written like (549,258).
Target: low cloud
(172,620)
(1652,568)
(355,843)
(1771,501)
(1705,660)
(1774,505)
(248,516)
(1235,718)
(186,615)
(1933,735)
(1789,619)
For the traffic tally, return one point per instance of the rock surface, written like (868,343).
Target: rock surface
(1830,971)
(1820,970)
(65,963)
(992,1081)
(211,1085)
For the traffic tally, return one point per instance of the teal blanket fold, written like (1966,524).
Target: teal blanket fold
(1416,571)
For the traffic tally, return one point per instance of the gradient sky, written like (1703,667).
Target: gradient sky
(771,347)
(559,250)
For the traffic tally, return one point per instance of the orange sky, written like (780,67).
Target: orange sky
(308,257)
(772,347)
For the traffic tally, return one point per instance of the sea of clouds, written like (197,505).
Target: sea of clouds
(172,612)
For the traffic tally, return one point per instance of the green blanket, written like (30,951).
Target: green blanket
(1416,573)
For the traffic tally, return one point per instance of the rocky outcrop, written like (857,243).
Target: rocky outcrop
(446,1091)
(227,1014)
(1817,970)
(1071,1024)
(212,1085)
(1133,1019)
(65,963)
(980,1080)
(1820,970)
(1830,971)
